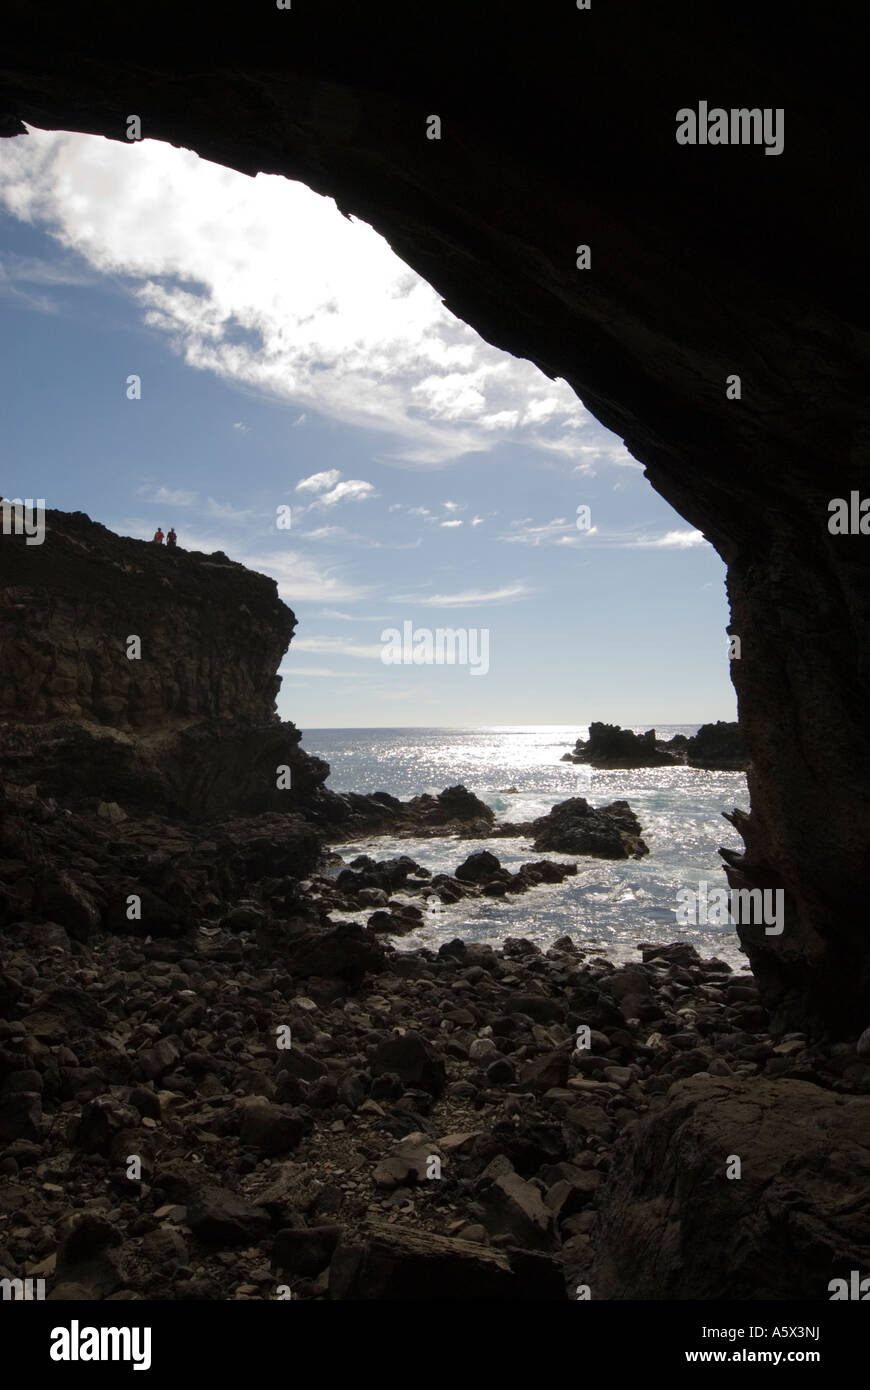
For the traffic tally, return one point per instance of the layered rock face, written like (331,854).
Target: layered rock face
(141,675)
(705,262)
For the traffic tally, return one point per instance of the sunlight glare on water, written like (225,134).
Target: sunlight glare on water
(610,905)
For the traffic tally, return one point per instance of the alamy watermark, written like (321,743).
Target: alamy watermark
(23,518)
(446,646)
(857,1288)
(849,517)
(22,1290)
(724,907)
(77,1343)
(741,125)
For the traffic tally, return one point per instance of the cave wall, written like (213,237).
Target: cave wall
(558,129)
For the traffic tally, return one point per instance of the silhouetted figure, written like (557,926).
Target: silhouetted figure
(158,536)
(171,538)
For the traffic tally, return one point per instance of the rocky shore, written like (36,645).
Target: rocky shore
(319,1115)
(222,1079)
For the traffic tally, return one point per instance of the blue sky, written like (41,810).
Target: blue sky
(288,359)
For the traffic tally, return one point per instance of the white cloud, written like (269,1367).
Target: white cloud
(451,523)
(353,490)
(172,497)
(319,482)
(300,577)
(557,532)
(469,598)
(262,282)
(337,646)
(672,540)
(323,533)
(300,420)
(329,490)
(238,425)
(564,532)
(292,670)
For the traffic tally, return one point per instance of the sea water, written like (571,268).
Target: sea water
(611,905)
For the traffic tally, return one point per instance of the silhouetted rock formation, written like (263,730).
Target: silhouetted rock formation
(185,724)
(610,746)
(717,747)
(575,827)
(454,811)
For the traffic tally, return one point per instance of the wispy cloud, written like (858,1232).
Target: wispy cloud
(170,497)
(352,490)
(323,533)
(469,598)
(671,540)
(319,482)
(560,531)
(338,646)
(328,491)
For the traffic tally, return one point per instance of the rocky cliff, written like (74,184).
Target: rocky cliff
(145,676)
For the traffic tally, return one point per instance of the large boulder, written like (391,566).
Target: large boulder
(738,1191)
(413,1060)
(575,827)
(345,952)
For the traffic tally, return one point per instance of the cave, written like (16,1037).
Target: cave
(707,266)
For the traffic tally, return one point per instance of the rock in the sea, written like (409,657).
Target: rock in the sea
(609,745)
(574,827)
(478,867)
(718,747)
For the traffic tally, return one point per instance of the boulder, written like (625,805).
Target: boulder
(413,1060)
(220,1218)
(797,1216)
(344,952)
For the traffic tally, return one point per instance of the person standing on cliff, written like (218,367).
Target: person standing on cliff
(171,538)
(158,536)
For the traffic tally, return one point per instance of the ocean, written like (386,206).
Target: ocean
(610,906)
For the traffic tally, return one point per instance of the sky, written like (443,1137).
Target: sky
(308,406)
